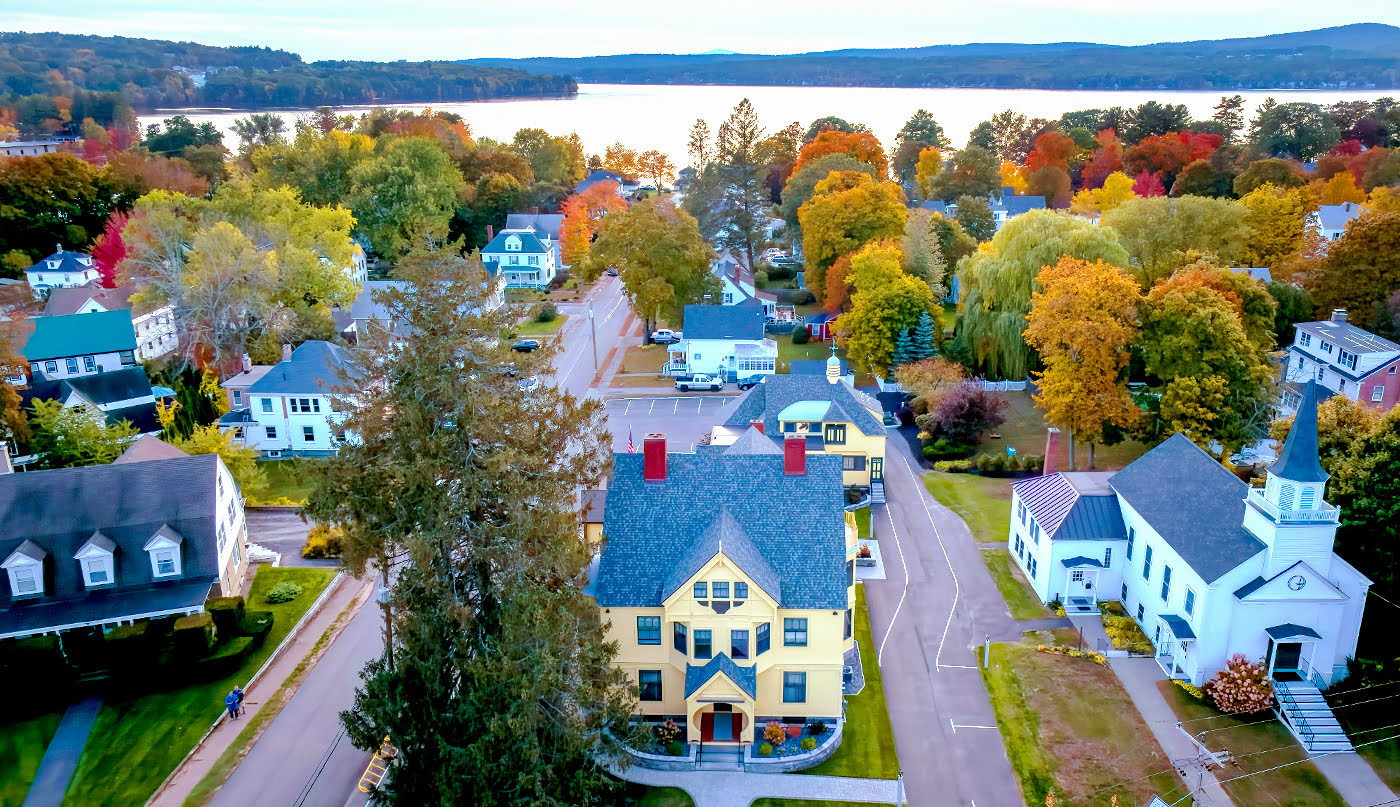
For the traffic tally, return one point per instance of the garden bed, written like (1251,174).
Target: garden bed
(794,737)
(1123,630)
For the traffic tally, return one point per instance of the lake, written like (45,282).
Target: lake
(645,116)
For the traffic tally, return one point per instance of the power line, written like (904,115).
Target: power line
(1309,758)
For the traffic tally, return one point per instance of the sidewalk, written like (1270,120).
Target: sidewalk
(1354,778)
(722,789)
(348,592)
(61,758)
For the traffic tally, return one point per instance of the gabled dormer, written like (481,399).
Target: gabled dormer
(97,561)
(1289,514)
(25,567)
(164,550)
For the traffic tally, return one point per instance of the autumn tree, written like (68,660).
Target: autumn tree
(928,380)
(657,167)
(1200,178)
(14,423)
(661,258)
(318,165)
(998,281)
(975,216)
(241,461)
(583,215)
(1148,184)
(1159,232)
(1277,218)
(52,198)
(408,192)
(930,162)
(1117,188)
(883,304)
(108,249)
(861,145)
(923,254)
(972,171)
(1361,268)
(1281,173)
(1053,183)
(1104,161)
(69,436)
(803,183)
(1082,322)
(848,210)
(1011,177)
(1339,189)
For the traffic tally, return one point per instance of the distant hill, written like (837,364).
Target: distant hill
(152,73)
(1364,55)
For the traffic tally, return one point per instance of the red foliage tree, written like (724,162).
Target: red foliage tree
(1051,149)
(1347,148)
(861,145)
(966,411)
(109,249)
(1365,161)
(1147,183)
(1106,159)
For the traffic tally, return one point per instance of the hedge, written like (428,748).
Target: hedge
(256,626)
(194,635)
(226,659)
(227,613)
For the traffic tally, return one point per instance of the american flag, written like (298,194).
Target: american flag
(631,449)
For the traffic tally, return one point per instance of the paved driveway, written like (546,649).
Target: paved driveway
(282,530)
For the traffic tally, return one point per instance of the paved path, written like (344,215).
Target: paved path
(1091,628)
(1355,779)
(1139,677)
(942,603)
(283,531)
(721,789)
(61,757)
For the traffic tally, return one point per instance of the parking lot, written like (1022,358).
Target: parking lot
(682,418)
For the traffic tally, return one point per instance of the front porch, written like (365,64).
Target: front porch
(1290,654)
(1080,585)
(1174,639)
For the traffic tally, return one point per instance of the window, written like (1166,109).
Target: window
(1321,372)
(795,632)
(1032,568)
(794,687)
(271,432)
(89,365)
(1390,370)
(850,573)
(238,397)
(1130,543)
(1139,612)
(164,562)
(678,639)
(701,591)
(127,357)
(1347,360)
(702,644)
(741,591)
(1147,563)
(1166,581)
(852,462)
(846,634)
(95,570)
(1327,347)
(1123,594)
(1021,513)
(1035,531)
(1190,606)
(761,640)
(1305,499)
(738,644)
(1377,392)
(719,590)
(1107,556)
(1076,576)
(267,404)
(72,365)
(649,685)
(648,630)
(25,580)
(50,367)
(308,433)
(835,433)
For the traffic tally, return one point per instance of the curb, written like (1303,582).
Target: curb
(315,608)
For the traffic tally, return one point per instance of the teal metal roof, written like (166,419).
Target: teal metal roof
(805,410)
(80,335)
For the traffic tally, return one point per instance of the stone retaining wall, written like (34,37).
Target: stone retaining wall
(753,763)
(657,762)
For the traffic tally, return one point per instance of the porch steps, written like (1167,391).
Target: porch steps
(1080,605)
(721,757)
(1305,712)
(877,492)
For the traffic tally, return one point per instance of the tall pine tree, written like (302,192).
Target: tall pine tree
(903,349)
(924,343)
(498,686)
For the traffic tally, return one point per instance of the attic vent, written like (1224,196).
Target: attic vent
(1285,498)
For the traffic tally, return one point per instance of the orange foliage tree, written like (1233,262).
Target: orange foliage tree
(861,145)
(583,214)
(1106,159)
(838,290)
(1051,149)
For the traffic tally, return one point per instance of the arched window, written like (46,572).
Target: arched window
(1306,499)
(1285,497)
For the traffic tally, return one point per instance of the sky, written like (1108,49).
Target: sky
(385,30)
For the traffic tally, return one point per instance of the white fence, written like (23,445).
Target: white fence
(1003,386)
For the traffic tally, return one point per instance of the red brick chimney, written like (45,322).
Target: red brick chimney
(490,233)
(1052,447)
(654,458)
(757,424)
(795,456)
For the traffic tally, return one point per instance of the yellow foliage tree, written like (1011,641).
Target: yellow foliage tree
(848,210)
(1277,218)
(1081,323)
(929,164)
(1011,177)
(1340,188)
(1384,200)
(1117,189)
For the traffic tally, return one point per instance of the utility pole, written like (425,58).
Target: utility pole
(593,327)
(385,597)
(899,789)
(1200,765)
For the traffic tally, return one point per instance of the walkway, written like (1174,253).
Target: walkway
(1140,677)
(1091,628)
(61,757)
(719,789)
(1354,778)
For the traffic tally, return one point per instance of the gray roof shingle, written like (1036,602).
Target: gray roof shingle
(743,321)
(1349,337)
(696,676)
(529,242)
(778,392)
(316,368)
(792,527)
(1193,502)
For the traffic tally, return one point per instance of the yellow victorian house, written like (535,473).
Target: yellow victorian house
(830,415)
(727,580)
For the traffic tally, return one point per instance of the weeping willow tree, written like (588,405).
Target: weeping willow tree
(998,279)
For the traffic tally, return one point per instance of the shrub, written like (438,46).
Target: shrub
(781,273)
(1125,633)
(667,732)
(675,748)
(1243,686)
(1073,652)
(1057,606)
(774,732)
(257,624)
(760,278)
(997,463)
(322,542)
(804,298)
(953,466)
(984,463)
(226,659)
(1013,462)
(194,635)
(765,750)
(1189,688)
(800,336)
(227,613)
(547,313)
(854,494)
(126,645)
(1034,464)
(863,552)
(808,743)
(283,592)
(930,452)
(571,283)
(816,728)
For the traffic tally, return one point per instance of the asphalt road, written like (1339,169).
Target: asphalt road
(683,418)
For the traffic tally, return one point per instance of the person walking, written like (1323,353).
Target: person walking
(231,703)
(238,692)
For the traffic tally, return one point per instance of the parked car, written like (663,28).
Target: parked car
(526,346)
(611,272)
(749,382)
(529,384)
(665,336)
(700,381)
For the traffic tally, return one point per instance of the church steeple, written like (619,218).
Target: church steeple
(1298,461)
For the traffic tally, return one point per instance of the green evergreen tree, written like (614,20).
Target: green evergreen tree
(903,349)
(924,343)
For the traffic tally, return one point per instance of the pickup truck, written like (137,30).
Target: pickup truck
(699,381)
(665,336)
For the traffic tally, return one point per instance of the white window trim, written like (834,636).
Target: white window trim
(160,543)
(100,556)
(17,563)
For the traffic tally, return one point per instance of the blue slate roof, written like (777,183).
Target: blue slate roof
(594,177)
(1297,462)
(1193,502)
(778,392)
(529,243)
(724,535)
(1016,205)
(1249,588)
(1288,630)
(652,528)
(67,259)
(746,678)
(936,205)
(742,321)
(811,367)
(1077,506)
(1179,627)
(316,368)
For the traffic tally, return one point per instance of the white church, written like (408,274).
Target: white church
(1207,565)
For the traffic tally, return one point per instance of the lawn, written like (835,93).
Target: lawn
(639,796)
(983,502)
(287,479)
(536,328)
(1068,725)
(644,359)
(1024,429)
(1020,598)
(787,351)
(1246,737)
(797,803)
(863,523)
(138,740)
(1374,722)
(867,743)
(21,747)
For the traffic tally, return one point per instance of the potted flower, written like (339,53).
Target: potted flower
(863,557)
